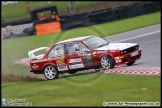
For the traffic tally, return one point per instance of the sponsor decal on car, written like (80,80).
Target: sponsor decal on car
(76,66)
(52,59)
(41,60)
(94,53)
(75,60)
(117,59)
(55,58)
(35,66)
(134,54)
(60,62)
(102,51)
(62,68)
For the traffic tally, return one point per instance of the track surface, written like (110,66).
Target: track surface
(149,40)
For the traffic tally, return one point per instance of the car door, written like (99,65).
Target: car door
(78,55)
(57,57)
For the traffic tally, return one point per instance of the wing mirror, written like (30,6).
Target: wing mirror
(85,50)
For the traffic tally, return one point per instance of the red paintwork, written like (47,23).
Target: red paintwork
(95,57)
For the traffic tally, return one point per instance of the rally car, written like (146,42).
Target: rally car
(76,54)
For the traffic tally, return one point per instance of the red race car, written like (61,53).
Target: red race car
(76,54)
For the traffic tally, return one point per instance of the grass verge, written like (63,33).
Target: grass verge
(108,87)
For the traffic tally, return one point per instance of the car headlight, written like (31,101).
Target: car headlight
(123,52)
(137,47)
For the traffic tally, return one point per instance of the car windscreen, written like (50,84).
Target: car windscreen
(94,42)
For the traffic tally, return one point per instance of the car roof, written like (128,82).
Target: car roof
(74,39)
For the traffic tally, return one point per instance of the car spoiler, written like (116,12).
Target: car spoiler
(33,56)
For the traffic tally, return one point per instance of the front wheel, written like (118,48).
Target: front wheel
(130,63)
(107,62)
(50,72)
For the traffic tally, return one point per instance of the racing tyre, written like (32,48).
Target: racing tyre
(130,63)
(50,72)
(107,62)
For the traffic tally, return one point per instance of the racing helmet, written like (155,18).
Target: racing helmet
(76,47)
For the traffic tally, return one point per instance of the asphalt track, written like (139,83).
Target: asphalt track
(149,39)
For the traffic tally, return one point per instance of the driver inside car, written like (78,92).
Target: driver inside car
(59,51)
(76,48)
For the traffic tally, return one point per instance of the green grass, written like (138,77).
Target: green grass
(16,11)
(79,90)
(108,87)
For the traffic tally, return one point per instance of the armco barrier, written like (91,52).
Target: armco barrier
(109,15)
(16,23)
(131,11)
(152,6)
(104,16)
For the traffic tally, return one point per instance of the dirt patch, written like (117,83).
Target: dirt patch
(17,78)
(13,77)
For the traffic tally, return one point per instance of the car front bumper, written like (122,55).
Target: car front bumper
(127,58)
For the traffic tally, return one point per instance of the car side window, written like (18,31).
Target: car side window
(57,50)
(75,47)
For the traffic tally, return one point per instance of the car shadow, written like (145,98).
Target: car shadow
(136,64)
(77,74)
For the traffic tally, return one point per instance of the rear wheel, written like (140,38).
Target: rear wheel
(107,62)
(50,72)
(130,63)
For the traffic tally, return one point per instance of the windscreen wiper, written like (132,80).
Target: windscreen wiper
(101,45)
(104,44)
(107,43)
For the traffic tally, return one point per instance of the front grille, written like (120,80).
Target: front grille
(133,58)
(131,49)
